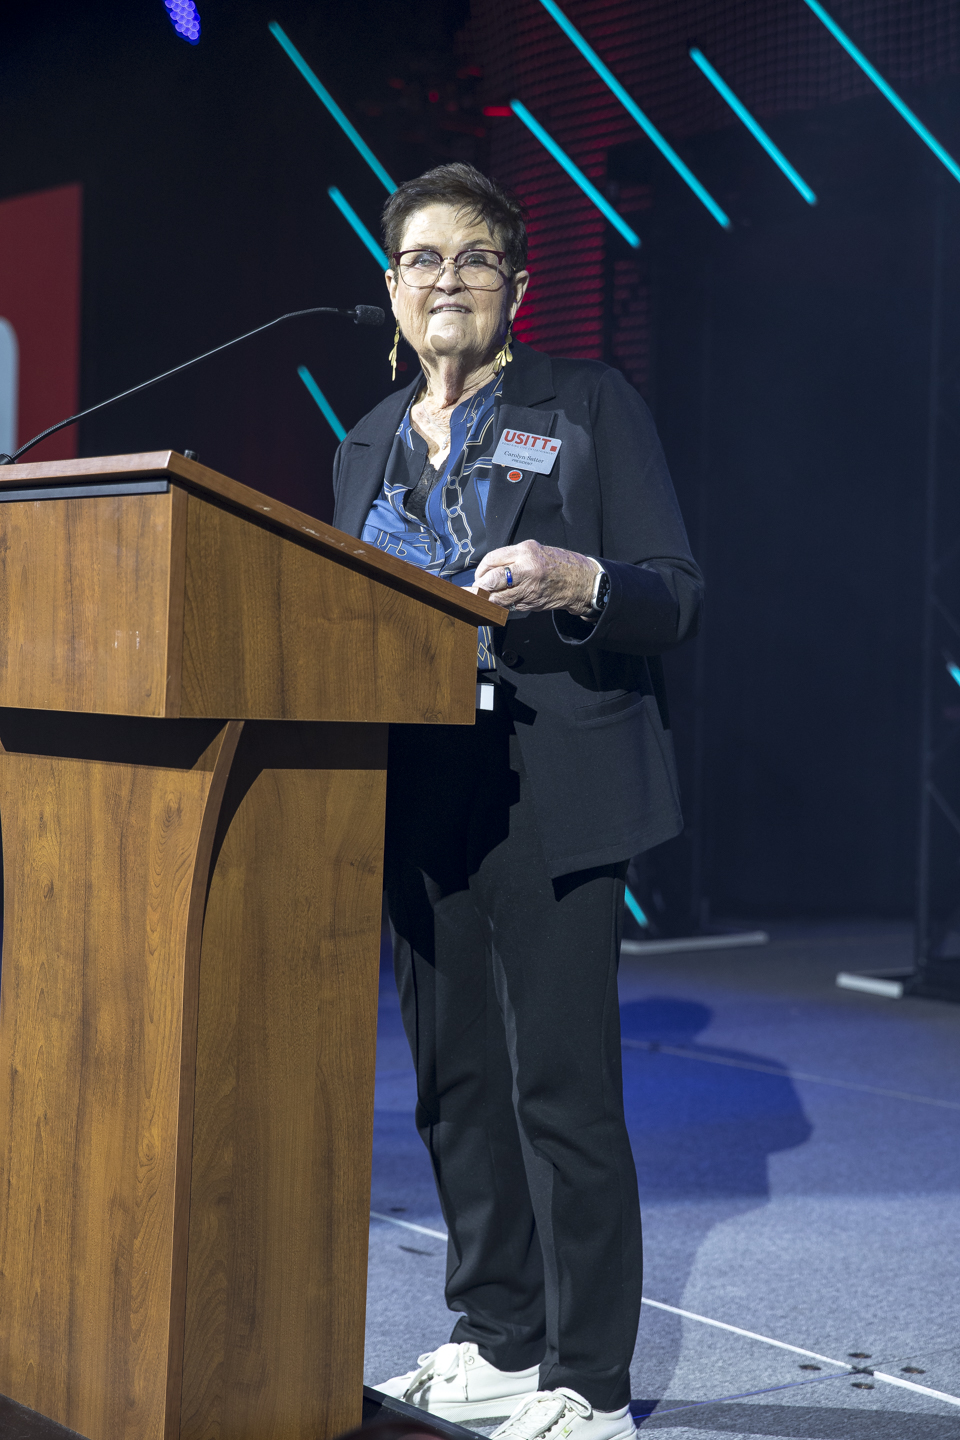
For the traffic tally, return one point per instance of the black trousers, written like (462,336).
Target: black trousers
(508,989)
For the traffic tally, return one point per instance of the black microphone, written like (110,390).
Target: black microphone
(367,315)
(360,315)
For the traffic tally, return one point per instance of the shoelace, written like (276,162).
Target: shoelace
(539,1414)
(440,1364)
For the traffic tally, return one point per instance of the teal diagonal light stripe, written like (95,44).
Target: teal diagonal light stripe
(753,125)
(887,91)
(320,90)
(634,111)
(328,411)
(634,907)
(353,219)
(575,173)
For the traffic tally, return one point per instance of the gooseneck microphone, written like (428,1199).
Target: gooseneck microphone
(360,315)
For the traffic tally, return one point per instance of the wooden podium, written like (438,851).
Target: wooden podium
(195,688)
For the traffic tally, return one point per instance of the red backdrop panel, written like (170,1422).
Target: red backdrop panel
(40,298)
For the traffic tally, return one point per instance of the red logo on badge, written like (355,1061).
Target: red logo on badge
(514,475)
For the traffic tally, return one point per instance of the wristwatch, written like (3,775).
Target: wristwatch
(601,593)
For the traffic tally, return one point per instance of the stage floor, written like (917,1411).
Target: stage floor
(798,1151)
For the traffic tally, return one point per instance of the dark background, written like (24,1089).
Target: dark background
(793,372)
(205,172)
(788,363)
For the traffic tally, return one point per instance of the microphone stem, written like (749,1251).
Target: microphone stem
(291,315)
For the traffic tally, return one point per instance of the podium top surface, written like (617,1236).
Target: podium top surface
(336,544)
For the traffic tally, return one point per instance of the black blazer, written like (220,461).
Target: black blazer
(586,699)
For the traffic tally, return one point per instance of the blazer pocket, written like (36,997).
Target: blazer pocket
(613,708)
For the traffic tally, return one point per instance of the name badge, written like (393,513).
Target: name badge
(530,452)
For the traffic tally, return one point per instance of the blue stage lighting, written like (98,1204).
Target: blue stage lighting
(350,215)
(349,130)
(633,109)
(322,401)
(184,19)
(634,908)
(756,130)
(886,90)
(575,173)
(954,671)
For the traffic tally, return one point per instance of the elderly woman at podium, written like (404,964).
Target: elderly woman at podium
(542,482)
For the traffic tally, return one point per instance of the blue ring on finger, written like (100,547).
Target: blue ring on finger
(509,574)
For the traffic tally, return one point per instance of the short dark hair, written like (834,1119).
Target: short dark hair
(468,189)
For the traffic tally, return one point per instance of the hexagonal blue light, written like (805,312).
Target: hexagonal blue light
(184,18)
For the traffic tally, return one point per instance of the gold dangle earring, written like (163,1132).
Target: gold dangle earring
(503,356)
(392,357)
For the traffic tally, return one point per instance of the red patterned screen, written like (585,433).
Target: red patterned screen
(40,303)
(777,57)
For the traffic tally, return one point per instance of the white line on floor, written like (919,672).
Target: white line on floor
(871,985)
(722,1325)
(782,1345)
(750,1334)
(912,1385)
(407,1225)
(656,1048)
(695,942)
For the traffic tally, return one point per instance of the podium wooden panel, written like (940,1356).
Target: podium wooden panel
(195,689)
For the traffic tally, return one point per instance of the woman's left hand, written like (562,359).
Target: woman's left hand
(543,578)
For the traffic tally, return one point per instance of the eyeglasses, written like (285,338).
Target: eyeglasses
(476,269)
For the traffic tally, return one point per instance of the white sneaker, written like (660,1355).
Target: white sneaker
(564,1415)
(456,1383)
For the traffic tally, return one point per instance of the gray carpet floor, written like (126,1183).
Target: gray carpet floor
(798,1152)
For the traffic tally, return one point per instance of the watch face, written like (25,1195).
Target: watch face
(603,591)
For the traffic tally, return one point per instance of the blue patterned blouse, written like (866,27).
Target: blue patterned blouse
(451,540)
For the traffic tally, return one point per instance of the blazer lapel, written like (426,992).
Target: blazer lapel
(366,450)
(363,464)
(528,381)
(505,498)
